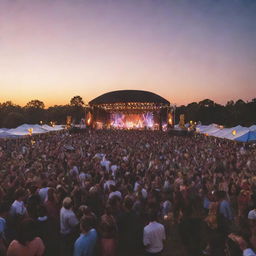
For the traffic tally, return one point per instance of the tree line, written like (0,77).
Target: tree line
(205,111)
(208,112)
(34,112)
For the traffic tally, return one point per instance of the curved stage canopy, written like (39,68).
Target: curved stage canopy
(128,109)
(127,96)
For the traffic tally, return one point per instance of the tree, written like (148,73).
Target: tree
(230,103)
(77,110)
(77,101)
(35,104)
(6,108)
(58,113)
(13,119)
(240,102)
(34,111)
(206,103)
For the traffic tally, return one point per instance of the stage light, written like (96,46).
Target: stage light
(234,132)
(89,118)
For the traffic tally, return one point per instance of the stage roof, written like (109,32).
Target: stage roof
(129,96)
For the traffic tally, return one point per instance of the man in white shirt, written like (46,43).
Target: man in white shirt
(153,236)
(68,223)
(18,208)
(105,163)
(68,219)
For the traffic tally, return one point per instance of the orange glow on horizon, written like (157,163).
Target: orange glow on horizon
(54,50)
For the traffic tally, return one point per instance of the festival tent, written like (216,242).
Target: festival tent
(237,132)
(209,129)
(51,128)
(23,130)
(248,137)
(252,128)
(201,128)
(5,134)
(3,130)
(222,133)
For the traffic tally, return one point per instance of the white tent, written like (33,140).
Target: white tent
(252,128)
(24,130)
(5,134)
(238,133)
(50,128)
(209,129)
(247,137)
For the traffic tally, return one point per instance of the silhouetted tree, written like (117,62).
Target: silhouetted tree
(13,119)
(77,101)
(58,113)
(77,110)
(35,104)
(34,110)
(6,108)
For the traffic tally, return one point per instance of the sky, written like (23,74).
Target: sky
(183,50)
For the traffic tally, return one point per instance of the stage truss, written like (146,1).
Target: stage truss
(131,115)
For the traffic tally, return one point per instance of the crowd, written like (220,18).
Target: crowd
(110,193)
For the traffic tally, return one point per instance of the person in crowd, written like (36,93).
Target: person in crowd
(43,191)
(85,244)
(18,208)
(154,236)
(108,233)
(4,209)
(33,201)
(130,229)
(27,243)
(68,223)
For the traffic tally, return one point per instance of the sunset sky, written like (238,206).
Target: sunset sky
(183,50)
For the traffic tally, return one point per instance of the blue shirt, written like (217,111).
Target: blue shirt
(225,210)
(85,244)
(207,203)
(2,227)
